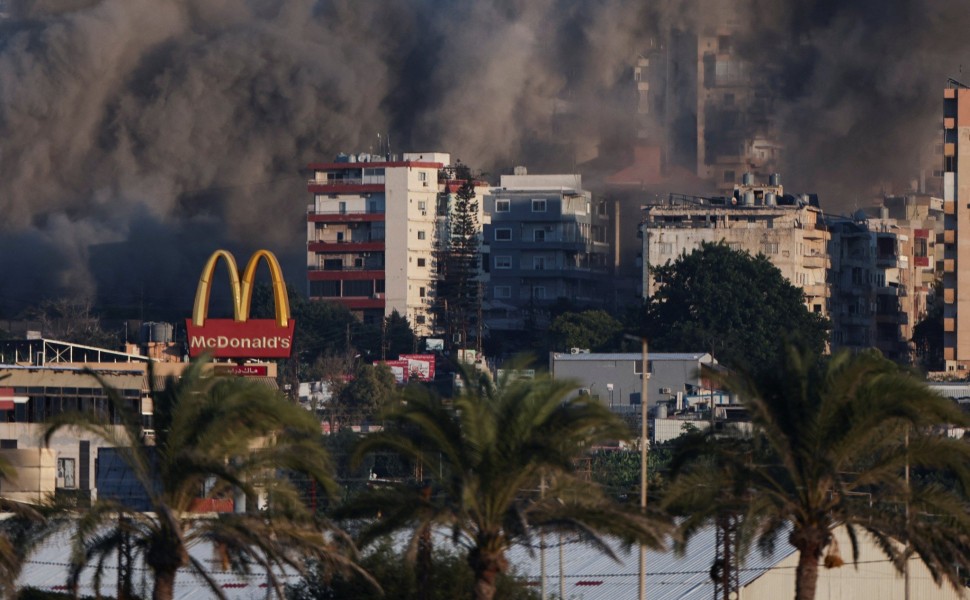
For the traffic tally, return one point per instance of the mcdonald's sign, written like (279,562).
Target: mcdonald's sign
(241,337)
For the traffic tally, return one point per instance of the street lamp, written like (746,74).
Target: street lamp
(644,375)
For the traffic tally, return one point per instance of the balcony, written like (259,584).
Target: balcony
(352,274)
(321,216)
(337,186)
(346,247)
(815,261)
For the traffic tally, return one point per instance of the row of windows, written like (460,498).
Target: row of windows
(504,234)
(539,263)
(505,205)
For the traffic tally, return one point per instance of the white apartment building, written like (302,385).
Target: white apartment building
(371,233)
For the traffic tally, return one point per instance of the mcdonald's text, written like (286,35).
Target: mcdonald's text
(227,338)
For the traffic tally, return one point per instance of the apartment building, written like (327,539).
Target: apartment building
(956,210)
(371,232)
(760,219)
(547,240)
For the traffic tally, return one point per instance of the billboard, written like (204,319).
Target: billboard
(241,337)
(420,366)
(399,368)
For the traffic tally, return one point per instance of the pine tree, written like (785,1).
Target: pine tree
(458,293)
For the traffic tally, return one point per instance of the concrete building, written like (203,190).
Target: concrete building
(547,240)
(760,219)
(616,378)
(41,378)
(703,102)
(956,237)
(371,234)
(884,266)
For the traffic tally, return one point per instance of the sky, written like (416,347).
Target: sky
(137,136)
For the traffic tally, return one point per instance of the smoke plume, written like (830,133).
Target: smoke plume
(139,135)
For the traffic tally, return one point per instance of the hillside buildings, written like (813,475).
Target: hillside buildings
(757,218)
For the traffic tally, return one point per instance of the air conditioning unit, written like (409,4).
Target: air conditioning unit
(424,213)
(666,390)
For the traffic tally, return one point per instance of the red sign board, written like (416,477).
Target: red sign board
(922,261)
(242,370)
(226,338)
(420,366)
(921,233)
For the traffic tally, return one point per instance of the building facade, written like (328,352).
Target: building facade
(616,379)
(371,232)
(546,241)
(956,210)
(760,219)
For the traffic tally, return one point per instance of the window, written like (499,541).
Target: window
(421,235)
(503,234)
(769,248)
(422,176)
(503,205)
(638,367)
(539,292)
(422,205)
(539,263)
(666,247)
(539,205)
(422,292)
(421,262)
(65,473)
(503,291)
(539,235)
(503,262)
(419,319)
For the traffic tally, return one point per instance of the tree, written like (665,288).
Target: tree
(833,443)
(458,293)
(232,437)
(737,306)
(595,330)
(73,320)
(450,579)
(495,465)
(371,390)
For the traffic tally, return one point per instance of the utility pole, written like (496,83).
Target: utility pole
(645,374)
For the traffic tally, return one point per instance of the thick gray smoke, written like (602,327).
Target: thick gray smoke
(136,136)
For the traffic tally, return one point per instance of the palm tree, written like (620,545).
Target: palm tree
(215,437)
(485,456)
(833,443)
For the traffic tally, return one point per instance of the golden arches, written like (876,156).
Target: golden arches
(242,291)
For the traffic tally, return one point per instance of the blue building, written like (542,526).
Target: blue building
(547,241)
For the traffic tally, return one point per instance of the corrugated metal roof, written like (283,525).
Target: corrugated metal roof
(47,570)
(592,575)
(653,356)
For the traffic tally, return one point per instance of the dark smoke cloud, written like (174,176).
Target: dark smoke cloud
(150,132)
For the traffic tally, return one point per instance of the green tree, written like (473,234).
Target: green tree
(458,292)
(833,442)
(737,306)
(215,437)
(372,389)
(595,330)
(451,578)
(498,464)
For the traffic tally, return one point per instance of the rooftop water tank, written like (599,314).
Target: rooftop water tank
(156,332)
(774,179)
(770,199)
(748,198)
(747,179)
